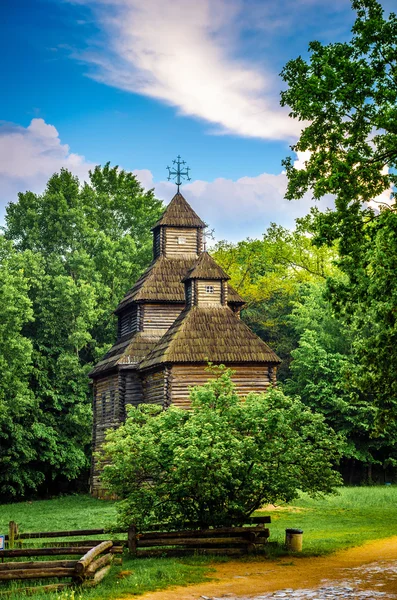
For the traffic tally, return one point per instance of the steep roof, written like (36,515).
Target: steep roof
(162,282)
(128,350)
(202,334)
(206,268)
(180,214)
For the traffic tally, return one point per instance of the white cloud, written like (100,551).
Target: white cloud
(30,155)
(186,54)
(238,208)
(235,208)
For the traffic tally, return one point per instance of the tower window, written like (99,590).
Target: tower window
(181,240)
(209,289)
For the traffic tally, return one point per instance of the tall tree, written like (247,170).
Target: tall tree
(346,95)
(17,402)
(90,242)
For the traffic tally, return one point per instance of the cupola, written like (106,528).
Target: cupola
(179,232)
(206,283)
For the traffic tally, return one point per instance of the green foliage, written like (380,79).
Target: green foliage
(348,93)
(17,402)
(268,273)
(85,244)
(219,461)
(321,374)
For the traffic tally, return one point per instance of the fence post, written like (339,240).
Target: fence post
(12,534)
(132,540)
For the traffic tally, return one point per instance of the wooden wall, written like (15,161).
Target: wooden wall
(108,412)
(157,242)
(160,316)
(131,388)
(173,248)
(205,298)
(154,388)
(248,378)
(129,322)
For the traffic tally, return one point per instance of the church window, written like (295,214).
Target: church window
(209,289)
(181,240)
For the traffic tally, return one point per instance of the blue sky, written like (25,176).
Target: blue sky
(137,82)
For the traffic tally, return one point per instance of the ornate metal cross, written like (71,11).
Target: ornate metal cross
(178,173)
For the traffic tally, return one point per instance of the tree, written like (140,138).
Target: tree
(90,243)
(17,402)
(221,460)
(268,273)
(321,376)
(346,95)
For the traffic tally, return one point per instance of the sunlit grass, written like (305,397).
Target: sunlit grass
(352,517)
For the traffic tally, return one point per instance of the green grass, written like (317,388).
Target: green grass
(349,519)
(356,515)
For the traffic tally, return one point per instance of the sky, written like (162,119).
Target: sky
(137,82)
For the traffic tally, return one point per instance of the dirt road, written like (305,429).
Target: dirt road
(369,571)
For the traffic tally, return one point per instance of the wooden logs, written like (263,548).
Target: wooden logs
(45,564)
(132,540)
(47,573)
(98,564)
(201,542)
(60,551)
(12,533)
(233,531)
(58,534)
(87,559)
(99,575)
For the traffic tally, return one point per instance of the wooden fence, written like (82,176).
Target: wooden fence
(97,555)
(87,571)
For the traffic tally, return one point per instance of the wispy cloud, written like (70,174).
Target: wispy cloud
(30,155)
(188,55)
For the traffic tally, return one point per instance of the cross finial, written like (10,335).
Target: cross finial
(177,173)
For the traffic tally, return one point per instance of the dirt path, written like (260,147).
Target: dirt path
(237,578)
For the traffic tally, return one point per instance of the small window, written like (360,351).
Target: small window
(209,289)
(181,240)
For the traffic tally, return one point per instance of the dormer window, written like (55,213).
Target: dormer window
(181,240)
(209,289)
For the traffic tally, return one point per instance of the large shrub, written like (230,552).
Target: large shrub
(219,461)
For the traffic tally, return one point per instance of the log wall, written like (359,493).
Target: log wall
(129,322)
(108,412)
(160,316)
(248,378)
(181,242)
(154,388)
(133,392)
(157,241)
(205,298)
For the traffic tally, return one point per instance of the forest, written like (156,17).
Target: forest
(323,295)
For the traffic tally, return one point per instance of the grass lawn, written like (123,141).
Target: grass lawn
(336,522)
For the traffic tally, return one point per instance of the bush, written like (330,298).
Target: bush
(218,462)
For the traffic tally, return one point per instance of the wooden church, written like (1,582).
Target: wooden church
(179,315)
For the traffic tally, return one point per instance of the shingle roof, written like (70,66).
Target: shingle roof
(162,282)
(206,268)
(180,214)
(209,334)
(128,350)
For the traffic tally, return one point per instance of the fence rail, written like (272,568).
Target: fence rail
(97,556)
